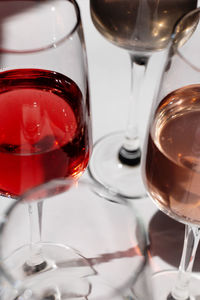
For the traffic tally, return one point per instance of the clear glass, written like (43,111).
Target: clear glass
(45,126)
(43,287)
(105,231)
(171,155)
(142,28)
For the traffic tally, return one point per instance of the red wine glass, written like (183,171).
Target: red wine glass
(142,28)
(171,160)
(45,127)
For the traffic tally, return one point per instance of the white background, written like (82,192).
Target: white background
(109,78)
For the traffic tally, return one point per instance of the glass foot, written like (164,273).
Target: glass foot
(56,256)
(164,281)
(63,275)
(56,286)
(106,168)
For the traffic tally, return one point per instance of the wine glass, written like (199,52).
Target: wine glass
(142,28)
(45,127)
(103,228)
(171,159)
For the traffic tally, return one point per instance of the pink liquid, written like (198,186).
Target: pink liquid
(172,167)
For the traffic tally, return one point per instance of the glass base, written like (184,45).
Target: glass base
(164,281)
(106,169)
(64,275)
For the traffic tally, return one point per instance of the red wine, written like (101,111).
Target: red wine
(136,24)
(44,129)
(172,166)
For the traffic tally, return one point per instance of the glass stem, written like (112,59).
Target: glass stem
(130,151)
(35,217)
(191,241)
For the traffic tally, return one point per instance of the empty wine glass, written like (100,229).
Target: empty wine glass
(45,128)
(171,159)
(141,28)
(105,231)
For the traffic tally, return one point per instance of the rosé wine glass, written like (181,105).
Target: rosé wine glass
(171,162)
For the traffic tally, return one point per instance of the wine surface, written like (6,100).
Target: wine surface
(43,129)
(172,166)
(136,24)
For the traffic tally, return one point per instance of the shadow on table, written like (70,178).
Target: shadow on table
(166,240)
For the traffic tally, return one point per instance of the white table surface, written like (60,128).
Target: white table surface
(109,78)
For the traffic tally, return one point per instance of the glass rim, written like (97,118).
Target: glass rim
(194,11)
(176,32)
(53,44)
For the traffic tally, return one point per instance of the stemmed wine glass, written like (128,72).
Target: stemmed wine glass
(101,227)
(171,158)
(141,28)
(45,126)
